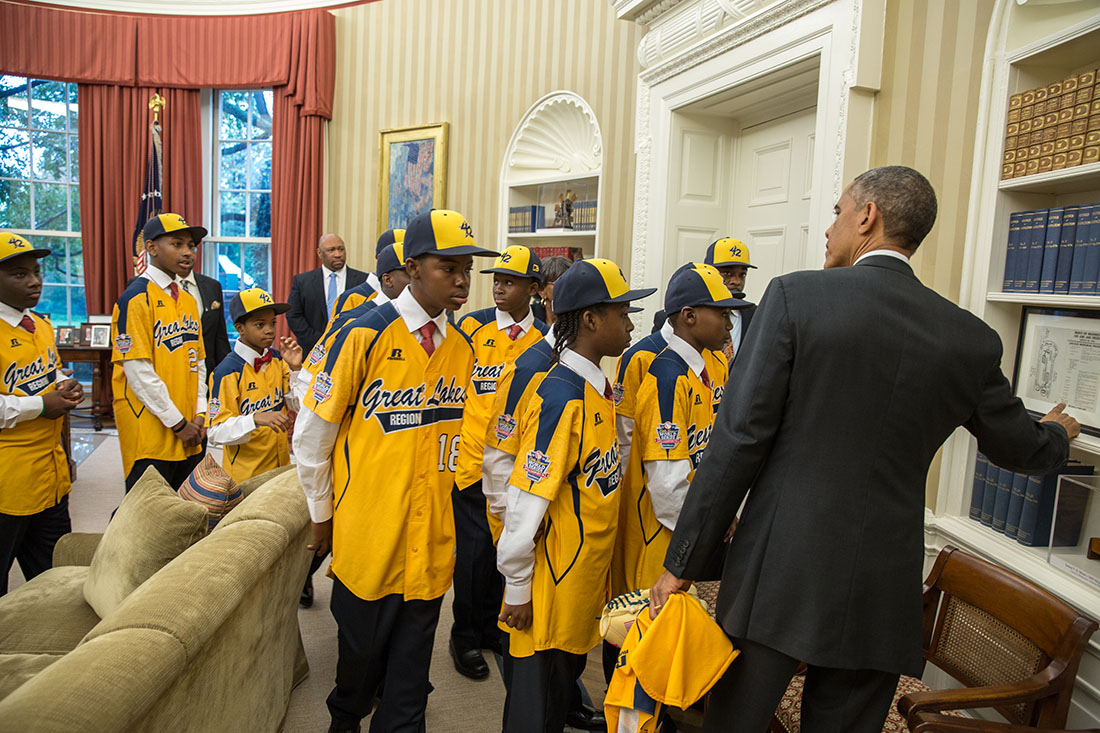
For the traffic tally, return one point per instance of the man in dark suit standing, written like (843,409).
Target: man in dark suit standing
(313,293)
(849,381)
(215,337)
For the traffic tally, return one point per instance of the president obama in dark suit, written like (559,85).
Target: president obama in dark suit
(849,381)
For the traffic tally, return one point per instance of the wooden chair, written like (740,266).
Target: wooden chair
(1014,646)
(933,723)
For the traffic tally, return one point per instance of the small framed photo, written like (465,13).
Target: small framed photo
(86,334)
(1058,360)
(101,336)
(66,336)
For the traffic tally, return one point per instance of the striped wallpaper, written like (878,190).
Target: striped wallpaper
(479,65)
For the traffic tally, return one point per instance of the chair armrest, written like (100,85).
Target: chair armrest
(75,548)
(1027,690)
(932,723)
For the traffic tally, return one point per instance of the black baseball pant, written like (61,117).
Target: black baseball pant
(478,585)
(30,540)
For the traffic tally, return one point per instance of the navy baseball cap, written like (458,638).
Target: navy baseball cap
(519,261)
(728,252)
(444,233)
(163,224)
(388,237)
(591,282)
(253,299)
(391,258)
(699,284)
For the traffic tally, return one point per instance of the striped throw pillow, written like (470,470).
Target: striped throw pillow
(210,486)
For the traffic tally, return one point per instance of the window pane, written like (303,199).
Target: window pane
(232,169)
(260,169)
(15,153)
(73,120)
(15,204)
(229,327)
(75,199)
(74,158)
(51,206)
(77,306)
(234,116)
(259,218)
(76,260)
(231,218)
(14,103)
(229,268)
(54,268)
(50,156)
(261,116)
(48,109)
(54,303)
(257,263)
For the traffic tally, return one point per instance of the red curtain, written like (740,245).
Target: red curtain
(294,53)
(114,150)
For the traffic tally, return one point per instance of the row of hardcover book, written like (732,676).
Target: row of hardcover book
(1052,127)
(572,253)
(530,219)
(1054,251)
(1022,507)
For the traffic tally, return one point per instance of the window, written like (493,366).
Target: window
(39,186)
(238,250)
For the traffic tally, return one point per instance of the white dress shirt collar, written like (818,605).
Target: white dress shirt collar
(246,352)
(414,315)
(666,330)
(341,279)
(381,298)
(10,315)
(191,285)
(505,321)
(550,337)
(684,350)
(886,252)
(584,368)
(161,278)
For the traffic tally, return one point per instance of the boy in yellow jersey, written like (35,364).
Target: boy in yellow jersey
(159,362)
(377,443)
(499,335)
(34,494)
(566,478)
(251,390)
(675,409)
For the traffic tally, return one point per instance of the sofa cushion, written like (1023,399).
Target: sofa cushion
(151,527)
(251,484)
(280,500)
(15,669)
(211,487)
(47,614)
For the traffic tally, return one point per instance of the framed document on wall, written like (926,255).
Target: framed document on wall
(1058,360)
(412,173)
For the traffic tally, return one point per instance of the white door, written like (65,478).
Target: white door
(772,182)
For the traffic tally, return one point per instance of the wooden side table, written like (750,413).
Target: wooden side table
(101,385)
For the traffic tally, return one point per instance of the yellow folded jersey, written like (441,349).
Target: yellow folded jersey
(672,660)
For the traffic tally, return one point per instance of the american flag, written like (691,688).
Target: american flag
(151,201)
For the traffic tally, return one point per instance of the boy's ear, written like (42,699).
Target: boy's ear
(412,266)
(534,289)
(239,325)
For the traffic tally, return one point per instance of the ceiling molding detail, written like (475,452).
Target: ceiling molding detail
(559,134)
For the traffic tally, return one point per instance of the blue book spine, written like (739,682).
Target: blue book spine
(1034,262)
(1052,240)
(1090,234)
(1004,495)
(989,496)
(1038,510)
(1080,254)
(981,466)
(1065,250)
(1015,221)
(1015,505)
(1029,512)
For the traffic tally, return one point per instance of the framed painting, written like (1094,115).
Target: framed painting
(412,173)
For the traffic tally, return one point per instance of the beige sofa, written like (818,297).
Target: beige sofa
(209,642)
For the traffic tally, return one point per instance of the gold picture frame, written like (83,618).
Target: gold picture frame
(398,201)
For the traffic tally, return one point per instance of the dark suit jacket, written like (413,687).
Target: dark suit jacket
(308,314)
(848,383)
(215,336)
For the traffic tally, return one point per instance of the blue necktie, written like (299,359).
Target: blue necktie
(331,299)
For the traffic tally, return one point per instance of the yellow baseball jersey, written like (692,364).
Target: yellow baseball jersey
(148,324)
(493,352)
(400,417)
(351,298)
(568,455)
(36,472)
(238,390)
(316,355)
(673,420)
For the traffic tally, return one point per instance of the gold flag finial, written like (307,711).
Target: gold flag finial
(156,103)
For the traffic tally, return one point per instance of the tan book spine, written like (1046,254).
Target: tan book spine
(1074,157)
(1091,154)
(1059,161)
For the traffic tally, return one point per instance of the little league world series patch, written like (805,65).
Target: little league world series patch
(316,354)
(124,342)
(617,392)
(322,386)
(506,425)
(668,435)
(537,466)
(213,407)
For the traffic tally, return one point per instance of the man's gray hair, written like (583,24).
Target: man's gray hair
(905,198)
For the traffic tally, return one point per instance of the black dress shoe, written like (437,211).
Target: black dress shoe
(306,601)
(469,663)
(586,718)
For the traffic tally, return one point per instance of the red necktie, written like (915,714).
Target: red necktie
(515,331)
(174,290)
(607,393)
(27,323)
(705,377)
(258,363)
(426,332)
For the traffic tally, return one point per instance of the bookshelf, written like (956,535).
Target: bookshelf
(1029,45)
(556,150)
